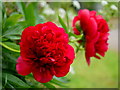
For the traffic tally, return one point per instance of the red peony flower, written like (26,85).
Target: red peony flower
(45,52)
(95,32)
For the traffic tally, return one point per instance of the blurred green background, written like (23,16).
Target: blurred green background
(101,73)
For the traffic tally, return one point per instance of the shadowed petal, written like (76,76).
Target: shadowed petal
(76,18)
(61,71)
(22,67)
(42,74)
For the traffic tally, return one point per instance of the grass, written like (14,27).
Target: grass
(101,73)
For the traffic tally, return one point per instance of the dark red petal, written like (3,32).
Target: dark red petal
(39,27)
(88,60)
(102,26)
(91,27)
(99,17)
(90,49)
(76,18)
(22,67)
(92,13)
(42,74)
(101,48)
(97,57)
(29,36)
(27,54)
(103,36)
(70,52)
(93,38)
(101,53)
(51,25)
(61,71)
(79,12)
(28,33)
(62,35)
(76,31)
(84,15)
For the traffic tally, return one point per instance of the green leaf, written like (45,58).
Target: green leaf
(13,37)
(4,16)
(15,80)
(74,35)
(5,79)
(29,14)
(74,46)
(61,79)
(48,85)
(15,30)
(9,59)
(21,7)
(10,71)
(10,46)
(10,56)
(10,86)
(67,17)
(40,19)
(56,82)
(12,20)
(4,39)
(13,45)
(63,24)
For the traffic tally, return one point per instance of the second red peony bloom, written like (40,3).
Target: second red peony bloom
(95,33)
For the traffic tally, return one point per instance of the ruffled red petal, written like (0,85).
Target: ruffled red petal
(42,74)
(61,71)
(23,67)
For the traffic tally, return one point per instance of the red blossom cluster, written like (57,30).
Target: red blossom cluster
(45,52)
(95,32)
(44,48)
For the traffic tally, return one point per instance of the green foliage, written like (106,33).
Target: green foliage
(8,45)
(30,12)
(48,85)
(63,24)
(12,20)
(12,26)
(108,12)
(14,81)
(67,17)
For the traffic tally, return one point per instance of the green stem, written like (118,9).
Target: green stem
(77,39)
(2,44)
